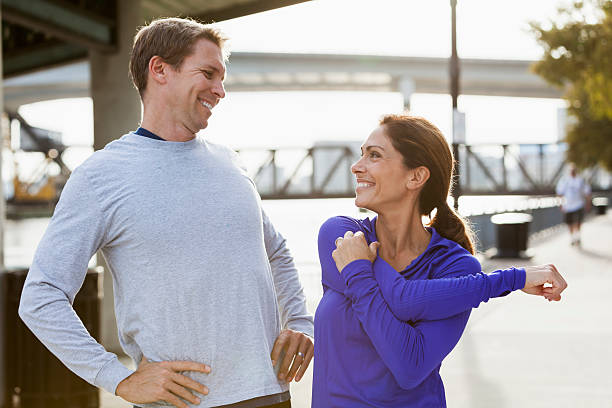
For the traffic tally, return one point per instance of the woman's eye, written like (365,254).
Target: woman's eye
(374,155)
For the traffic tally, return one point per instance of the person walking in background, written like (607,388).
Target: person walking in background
(397,295)
(576,194)
(207,297)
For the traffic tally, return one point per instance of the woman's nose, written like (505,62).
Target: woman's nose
(357,167)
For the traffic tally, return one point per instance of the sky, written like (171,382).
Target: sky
(486,29)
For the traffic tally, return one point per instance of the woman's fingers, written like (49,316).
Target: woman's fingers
(350,247)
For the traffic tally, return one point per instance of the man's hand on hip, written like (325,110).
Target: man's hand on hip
(298,350)
(153,382)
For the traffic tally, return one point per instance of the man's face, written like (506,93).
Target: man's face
(197,86)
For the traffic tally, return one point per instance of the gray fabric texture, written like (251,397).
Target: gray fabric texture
(199,272)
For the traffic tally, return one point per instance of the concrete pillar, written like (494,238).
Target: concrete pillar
(115,101)
(117,110)
(2,223)
(406,87)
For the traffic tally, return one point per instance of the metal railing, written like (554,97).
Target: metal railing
(323,171)
(294,173)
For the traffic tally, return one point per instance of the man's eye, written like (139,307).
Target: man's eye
(207,74)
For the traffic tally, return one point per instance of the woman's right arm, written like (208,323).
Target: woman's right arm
(409,350)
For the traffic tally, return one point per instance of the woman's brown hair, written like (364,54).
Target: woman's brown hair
(422,144)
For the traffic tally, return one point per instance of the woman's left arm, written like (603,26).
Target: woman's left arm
(439,298)
(433,299)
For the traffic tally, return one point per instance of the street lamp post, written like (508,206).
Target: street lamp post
(454,91)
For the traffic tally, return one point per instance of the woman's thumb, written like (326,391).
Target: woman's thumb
(374,248)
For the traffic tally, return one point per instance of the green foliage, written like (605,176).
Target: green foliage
(578,58)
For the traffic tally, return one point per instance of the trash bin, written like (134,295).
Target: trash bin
(35,378)
(600,204)
(512,230)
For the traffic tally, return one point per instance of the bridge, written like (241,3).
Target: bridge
(254,72)
(323,170)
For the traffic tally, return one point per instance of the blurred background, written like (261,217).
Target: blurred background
(519,89)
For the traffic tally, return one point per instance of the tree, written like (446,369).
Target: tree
(578,59)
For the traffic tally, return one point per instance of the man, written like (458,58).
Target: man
(199,272)
(576,195)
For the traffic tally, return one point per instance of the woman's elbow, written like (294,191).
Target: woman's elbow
(410,377)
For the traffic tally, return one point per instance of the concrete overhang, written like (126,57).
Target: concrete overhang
(253,72)
(39,34)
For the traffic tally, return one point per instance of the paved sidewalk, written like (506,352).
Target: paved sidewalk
(522,351)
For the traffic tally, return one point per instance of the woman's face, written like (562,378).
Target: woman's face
(382,178)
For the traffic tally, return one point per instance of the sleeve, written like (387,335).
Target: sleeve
(289,291)
(411,351)
(74,234)
(413,300)
(330,230)
(433,299)
(586,188)
(560,188)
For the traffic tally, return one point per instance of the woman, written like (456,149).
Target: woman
(397,295)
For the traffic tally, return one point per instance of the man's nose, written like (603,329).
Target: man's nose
(219,90)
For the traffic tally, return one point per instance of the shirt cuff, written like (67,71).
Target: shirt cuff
(520,278)
(351,273)
(111,374)
(506,281)
(303,326)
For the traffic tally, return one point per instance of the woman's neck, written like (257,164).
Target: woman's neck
(402,237)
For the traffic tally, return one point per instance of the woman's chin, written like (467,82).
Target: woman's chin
(362,204)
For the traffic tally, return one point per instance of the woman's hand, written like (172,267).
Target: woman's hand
(544,280)
(352,247)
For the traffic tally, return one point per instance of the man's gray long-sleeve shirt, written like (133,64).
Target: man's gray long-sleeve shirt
(199,273)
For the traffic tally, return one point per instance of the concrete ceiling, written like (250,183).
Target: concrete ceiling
(38,34)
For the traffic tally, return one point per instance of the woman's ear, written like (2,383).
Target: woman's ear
(158,69)
(417,177)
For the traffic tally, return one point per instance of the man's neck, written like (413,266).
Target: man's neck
(168,131)
(161,122)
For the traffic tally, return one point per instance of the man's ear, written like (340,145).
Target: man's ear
(158,69)
(417,177)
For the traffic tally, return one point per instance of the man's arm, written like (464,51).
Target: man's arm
(75,233)
(296,338)
(586,192)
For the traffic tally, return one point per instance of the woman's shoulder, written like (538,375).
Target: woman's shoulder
(452,259)
(339,225)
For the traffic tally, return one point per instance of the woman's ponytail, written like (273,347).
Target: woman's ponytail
(452,226)
(422,144)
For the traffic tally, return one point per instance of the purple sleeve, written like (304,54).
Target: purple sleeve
(433,299)
(413,300)
(411,351)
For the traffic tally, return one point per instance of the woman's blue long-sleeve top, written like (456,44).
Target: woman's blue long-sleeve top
(380,335)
